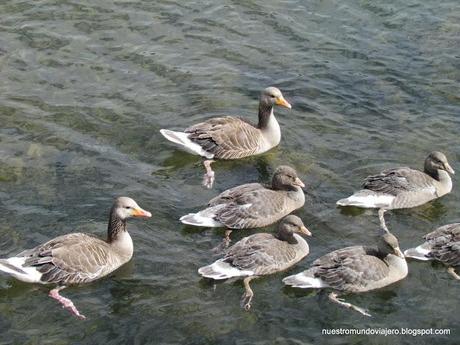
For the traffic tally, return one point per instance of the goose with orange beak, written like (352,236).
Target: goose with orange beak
(232,137)
(78,258)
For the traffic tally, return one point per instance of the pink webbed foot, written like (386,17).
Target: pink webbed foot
(66,302)
(208,177)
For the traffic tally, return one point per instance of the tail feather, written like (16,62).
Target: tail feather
(6,267)
(13,266)
(222,270)
(419,253)
(182,139)
(367,199)
(203,218)
(305,280)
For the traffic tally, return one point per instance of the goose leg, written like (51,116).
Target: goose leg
(208,178)
(66,302)
(227,239)
(248,293)
(224,244)
(382,219)
(333,296)
(451,270)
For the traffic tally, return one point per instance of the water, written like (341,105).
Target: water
(86,85)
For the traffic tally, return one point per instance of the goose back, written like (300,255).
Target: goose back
(74,259)
(353,269)
(265,254)
(232,138)
(442,244)
(254,205)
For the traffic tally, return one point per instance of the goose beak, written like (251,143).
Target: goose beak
(399,253)
(298,182)
(305,231)
(449,168)
(281,101)
(139,212)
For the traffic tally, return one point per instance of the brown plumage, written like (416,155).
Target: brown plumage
(78,257)
(261,254)
(232,137)
(227,137)
(442,244)
(404,187)
(355,269)
(252,205)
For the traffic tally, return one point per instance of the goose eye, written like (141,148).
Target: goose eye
(127,207)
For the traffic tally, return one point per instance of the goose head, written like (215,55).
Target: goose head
(391,243)
(292,224)
(272,96)
(285,178)
(124,208)
(289,226)
(437,161)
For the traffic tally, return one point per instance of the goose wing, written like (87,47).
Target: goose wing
(350,269)
(250,206)
(70,259)
(395,181)
(235,193)
(445,244)
(226,137)
(260,253)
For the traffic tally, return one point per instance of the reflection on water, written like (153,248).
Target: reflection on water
(85,88)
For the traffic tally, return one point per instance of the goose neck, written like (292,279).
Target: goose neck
(116,227)
(265,113)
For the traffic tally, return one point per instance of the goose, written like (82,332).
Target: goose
(261,254)
(77,258)
(443,244)
(354,269)
(404,187)
(252,205)
(231,137)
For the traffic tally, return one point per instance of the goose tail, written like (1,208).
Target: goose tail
(419,253)
(222,270)
(367,199)
(182,139)
(204,218)
(305,280)
(14,267)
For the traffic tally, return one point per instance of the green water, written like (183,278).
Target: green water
(86,85)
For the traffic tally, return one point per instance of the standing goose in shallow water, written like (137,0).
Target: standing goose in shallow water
(77,258)
(443,244)
(231,137)
(354,269)
(404,187)
(252,205)
(261,254)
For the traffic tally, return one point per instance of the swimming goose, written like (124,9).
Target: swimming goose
(252,205)
(404,187)
(354,269)
(77,258)
(443,244)
(261,254)
(231,137)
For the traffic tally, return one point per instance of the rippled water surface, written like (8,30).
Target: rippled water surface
(85,87)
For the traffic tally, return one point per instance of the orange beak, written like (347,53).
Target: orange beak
(449,168)
(281,101)
(298,182)
(305,231)
(139,212)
